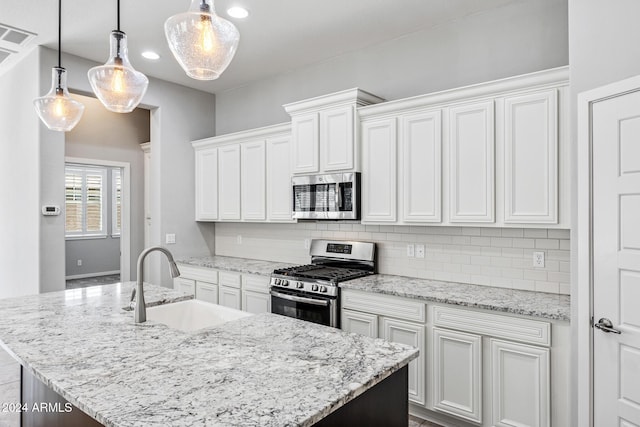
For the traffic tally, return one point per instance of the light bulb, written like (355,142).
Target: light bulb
(58,106)
(117,83)
(207,38)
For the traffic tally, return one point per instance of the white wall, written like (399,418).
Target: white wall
(518,38)
(20,177)
(603,48)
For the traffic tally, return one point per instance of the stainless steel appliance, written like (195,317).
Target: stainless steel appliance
(310,292)
(333,196)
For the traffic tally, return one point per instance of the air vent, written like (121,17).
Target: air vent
(15,36)
(4,54)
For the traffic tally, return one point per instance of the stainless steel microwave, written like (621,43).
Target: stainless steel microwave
(331,196)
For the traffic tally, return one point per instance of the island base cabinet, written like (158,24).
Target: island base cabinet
(256,302)
(383,405)
(520,385)
(43,407)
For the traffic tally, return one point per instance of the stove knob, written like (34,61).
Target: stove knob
(276,282)
(314,288)
(300,285)
(285,282)
(323,289)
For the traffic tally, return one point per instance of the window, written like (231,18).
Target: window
(116,201)
(85,204)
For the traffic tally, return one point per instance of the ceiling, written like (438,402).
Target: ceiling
(278,36)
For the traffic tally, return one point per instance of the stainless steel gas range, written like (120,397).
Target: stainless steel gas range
(310,292)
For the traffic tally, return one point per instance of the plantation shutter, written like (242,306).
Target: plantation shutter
(85,204)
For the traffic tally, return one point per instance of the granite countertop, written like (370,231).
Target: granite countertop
(239,265)
(262,370)
(527,303)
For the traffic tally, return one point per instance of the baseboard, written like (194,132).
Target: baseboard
(87,275)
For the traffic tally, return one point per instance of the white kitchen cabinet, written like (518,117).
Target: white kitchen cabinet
(379,170)
(207,292)
(279,197)
(229,182)
(337,138)
(185,285)
(421,148)
(531,158)
(206,184)
(411,334)
(457,373)
(472,162)
(255,294)
(305,134)
(323,130)
(360,323)
(253,186)
(229,297)
(520,385)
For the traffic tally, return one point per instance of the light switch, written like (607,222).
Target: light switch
(411,251)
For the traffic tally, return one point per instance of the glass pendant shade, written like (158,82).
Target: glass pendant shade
(117,85)
(57,109)
(203,43)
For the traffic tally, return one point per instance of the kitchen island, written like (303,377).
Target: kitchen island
(262,370)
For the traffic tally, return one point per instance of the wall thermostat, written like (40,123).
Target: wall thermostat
(50,210)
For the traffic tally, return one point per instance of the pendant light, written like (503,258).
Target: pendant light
(117,85)
(201,41)
(56,109)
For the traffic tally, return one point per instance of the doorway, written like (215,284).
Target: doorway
(608,273)
(97,222)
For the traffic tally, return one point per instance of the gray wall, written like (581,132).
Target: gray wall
(521,37)
(103,135)
(603,46)
(19,163)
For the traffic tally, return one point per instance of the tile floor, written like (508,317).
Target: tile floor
(419,422)
(93,281)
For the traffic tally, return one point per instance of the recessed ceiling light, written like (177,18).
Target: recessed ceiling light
(238,12)
(150,55)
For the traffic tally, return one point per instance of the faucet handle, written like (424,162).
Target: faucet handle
(133,294)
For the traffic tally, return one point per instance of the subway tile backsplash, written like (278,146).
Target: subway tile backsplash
(501,257)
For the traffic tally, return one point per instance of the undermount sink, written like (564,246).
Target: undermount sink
(192,315)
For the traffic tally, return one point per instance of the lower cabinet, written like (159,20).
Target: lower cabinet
(247,292)
(475,367)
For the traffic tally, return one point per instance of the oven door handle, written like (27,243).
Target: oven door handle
(294,298)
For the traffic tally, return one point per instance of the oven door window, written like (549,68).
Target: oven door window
(302,310)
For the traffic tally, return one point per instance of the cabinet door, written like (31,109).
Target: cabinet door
(256,302)
(457,374)
(379,150)
(520,386)
(360,323)
(410,334)
(229,182)
(336,138)
(253,187)
(531,158)
(305,137)
(471,163)
(206,184)
(229,297)
(421,147)
(279,198)
(207,292)
(184,285)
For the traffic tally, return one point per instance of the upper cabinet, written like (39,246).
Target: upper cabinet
(323,129)
(493,154)
(245,176)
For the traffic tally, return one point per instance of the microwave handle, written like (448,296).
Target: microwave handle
(339,194)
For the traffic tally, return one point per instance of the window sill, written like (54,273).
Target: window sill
(86,237)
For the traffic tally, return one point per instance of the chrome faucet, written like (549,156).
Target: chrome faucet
(138,292)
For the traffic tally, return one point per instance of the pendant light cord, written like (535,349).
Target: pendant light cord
(59,33)
(118,15)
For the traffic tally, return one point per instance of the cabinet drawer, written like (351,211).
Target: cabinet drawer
(198,273)
(255,283)
(229,279)
(207,292)
(512,328)
(384,305)
(184,285)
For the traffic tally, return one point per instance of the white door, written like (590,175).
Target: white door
(253,185)
(336,138)
(304,129)
(379,151)
(229,182)
(616,260)
(207,184)
(279,199)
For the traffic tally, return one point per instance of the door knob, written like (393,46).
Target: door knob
(605,325)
